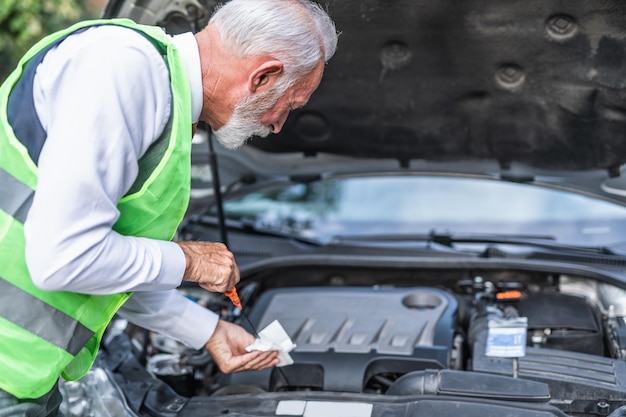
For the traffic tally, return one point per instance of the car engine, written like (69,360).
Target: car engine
(409,340)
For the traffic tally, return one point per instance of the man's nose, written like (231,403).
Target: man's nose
(278,125)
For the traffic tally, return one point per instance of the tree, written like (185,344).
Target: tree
(24,22)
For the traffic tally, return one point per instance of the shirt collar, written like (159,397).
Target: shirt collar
(188,47)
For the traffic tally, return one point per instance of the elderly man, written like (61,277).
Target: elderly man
(95,138)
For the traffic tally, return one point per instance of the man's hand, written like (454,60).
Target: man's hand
(227,346)
(211,265)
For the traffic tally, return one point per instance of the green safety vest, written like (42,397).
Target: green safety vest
(46,334)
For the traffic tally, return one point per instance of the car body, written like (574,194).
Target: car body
(439,230)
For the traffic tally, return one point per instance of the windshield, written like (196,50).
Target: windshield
(407,205)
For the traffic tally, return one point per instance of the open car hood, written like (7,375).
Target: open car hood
(536,82)
(527,91)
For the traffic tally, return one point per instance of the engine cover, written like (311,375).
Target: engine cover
(345,336)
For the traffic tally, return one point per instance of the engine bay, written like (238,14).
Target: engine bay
(389,340)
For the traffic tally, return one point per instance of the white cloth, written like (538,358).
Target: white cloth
(103,96)
(274,337)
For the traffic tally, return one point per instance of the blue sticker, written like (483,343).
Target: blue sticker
(506,338)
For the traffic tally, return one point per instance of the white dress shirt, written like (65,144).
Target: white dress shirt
(103,96)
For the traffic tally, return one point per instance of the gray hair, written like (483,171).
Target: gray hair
(299,33)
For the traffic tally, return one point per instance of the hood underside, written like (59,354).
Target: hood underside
(537,82)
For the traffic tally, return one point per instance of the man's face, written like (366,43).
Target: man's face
(263,113)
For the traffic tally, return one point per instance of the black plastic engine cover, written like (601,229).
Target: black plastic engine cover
(345,336)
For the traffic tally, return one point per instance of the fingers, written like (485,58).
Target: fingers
(210,264)
(253,361)
(267,360)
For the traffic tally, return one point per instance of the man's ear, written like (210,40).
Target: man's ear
(264,75)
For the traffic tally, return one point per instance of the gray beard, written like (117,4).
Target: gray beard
(244,122)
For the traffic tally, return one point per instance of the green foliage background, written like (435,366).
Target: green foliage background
(24,22)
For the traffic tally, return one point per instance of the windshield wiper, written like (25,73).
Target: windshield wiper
(450,239)
(252,227)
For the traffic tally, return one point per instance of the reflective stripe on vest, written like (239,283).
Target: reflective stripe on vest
(22,196)
(41,319)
